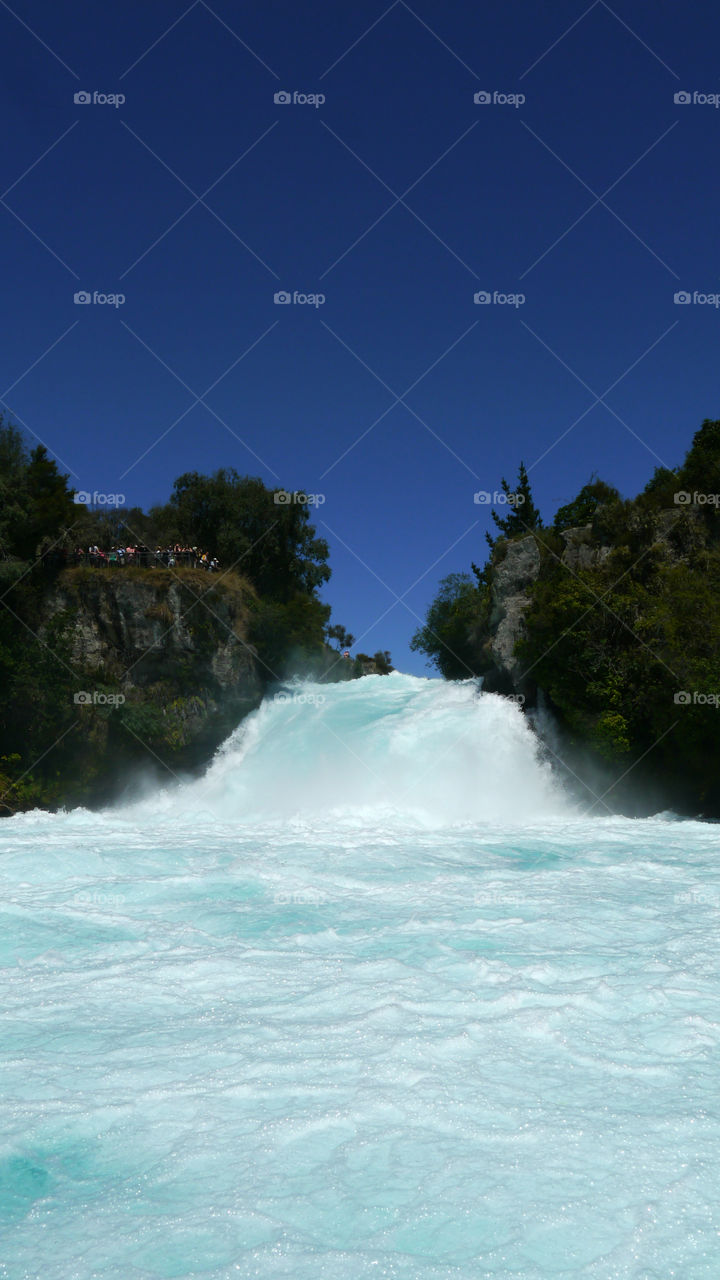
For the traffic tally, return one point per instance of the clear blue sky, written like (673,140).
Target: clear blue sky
(398,198)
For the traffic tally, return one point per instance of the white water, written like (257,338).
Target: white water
(372,999)
(394,748)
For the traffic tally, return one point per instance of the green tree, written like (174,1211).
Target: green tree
(344,638)
(383,662)
(660,489)
(36,504)
(13,465)
(583,508)
(288,635)
(701,469)
(449,635)
(625,642)
(50,507)
(239,520)
(700,475)
(523,516)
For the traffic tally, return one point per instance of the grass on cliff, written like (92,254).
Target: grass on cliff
(200,580)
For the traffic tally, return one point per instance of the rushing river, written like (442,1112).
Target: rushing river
(373,998)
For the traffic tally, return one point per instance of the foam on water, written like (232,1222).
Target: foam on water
(409,749)
(371,999)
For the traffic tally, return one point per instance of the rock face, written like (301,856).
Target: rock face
(580,551)
(141,630)
(172,646)
(512,579)
(133,677)
(513,576)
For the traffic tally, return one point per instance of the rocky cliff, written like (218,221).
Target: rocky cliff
(612,630)
(143,627)
(515,569)
(113,677)
(512,578)
(161,665)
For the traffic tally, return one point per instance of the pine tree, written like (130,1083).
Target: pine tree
(523,516)
(345,639)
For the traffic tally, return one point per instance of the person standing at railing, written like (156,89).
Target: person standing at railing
(143,558)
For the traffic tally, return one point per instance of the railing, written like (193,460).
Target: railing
(139,558)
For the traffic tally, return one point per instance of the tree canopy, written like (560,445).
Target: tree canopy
(35,500)
(584,507)
(523,516)
(237,519)
(624,642)
(449,634)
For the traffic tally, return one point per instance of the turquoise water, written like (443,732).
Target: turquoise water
(372,999)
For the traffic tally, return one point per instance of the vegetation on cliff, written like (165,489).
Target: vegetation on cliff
(103,670)
(620,629)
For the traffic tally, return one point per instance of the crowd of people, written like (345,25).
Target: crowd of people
(143,558)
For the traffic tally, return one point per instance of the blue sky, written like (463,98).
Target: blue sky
(398,198)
